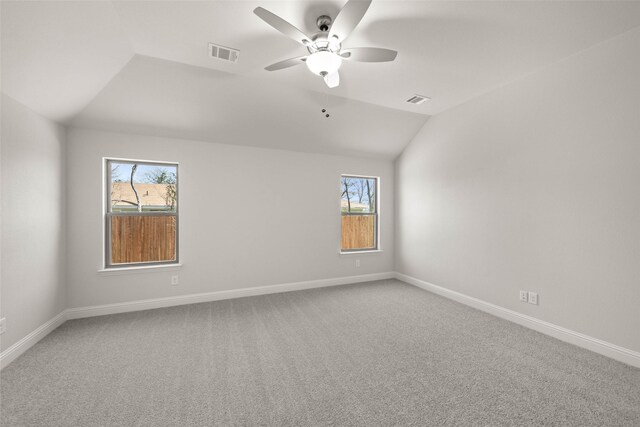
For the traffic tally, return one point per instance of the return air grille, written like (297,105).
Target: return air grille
(223,53)
(417,99)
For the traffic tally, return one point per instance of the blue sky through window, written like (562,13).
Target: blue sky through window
(122,172)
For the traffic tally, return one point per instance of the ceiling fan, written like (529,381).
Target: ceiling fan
(325,47)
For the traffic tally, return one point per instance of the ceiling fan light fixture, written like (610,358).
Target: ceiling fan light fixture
(323,63)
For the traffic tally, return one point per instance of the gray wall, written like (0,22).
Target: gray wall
(32,272)
(248,217)
(535,186)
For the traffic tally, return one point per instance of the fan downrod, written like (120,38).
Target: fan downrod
(323,22)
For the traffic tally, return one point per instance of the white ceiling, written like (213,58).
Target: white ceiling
(170,99)
(56,56)
(59,57)
(450,51)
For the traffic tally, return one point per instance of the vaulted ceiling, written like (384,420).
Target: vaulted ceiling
(141,66)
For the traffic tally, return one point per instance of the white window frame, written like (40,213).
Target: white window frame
(108,214)
(376,213)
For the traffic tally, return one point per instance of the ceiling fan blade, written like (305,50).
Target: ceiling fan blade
(332,80)
(348,18)
(368,54)
(281,25)
(286,63)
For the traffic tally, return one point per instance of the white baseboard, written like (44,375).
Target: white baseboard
(99,310)
(613,351)
(27,342)
(602,347)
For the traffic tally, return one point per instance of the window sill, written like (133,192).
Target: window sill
(373,251)
(139,269)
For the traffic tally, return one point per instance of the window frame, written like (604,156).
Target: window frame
(376,215)
(108,214)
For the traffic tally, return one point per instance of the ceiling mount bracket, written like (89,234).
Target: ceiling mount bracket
(323,22)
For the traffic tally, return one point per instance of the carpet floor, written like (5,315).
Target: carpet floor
(380,353)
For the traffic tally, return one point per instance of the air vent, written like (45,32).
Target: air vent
(223,53)
(417,99)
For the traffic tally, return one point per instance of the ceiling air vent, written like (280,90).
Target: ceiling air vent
(223,53)
(417,99)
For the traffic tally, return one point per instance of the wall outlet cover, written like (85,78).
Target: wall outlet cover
(524,296)
(533,298)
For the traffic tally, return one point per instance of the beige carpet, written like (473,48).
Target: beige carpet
(381,353)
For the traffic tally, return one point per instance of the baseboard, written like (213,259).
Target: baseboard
(100,310)
(613,351)
(27,342)
(602,347)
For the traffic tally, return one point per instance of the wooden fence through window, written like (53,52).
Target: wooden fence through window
(358,231)
(137,239)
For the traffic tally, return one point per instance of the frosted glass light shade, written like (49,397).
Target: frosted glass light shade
(323,62)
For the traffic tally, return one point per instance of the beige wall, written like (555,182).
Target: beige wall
(32,271)
(287,229)
(535,186)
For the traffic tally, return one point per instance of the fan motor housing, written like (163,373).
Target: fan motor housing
(320,42)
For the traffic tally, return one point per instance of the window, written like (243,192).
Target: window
(141,213)
(359,207)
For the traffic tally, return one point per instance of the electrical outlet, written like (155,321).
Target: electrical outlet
(174,280)
(533,298)
(357,263)
(3,325)
(524,296)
